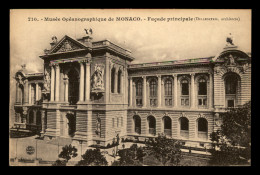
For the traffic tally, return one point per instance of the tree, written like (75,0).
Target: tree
(232,143)
(165,150)
(93,158)
(132,156)
(66,154)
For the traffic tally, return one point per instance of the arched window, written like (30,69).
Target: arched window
(202,92)
(139,89)
(153,93)
(137,124)
(168,92)
(202,128)
(152,125)
(184,127)
(167,122)
(113,71)
(73,87)
(184,92)
(119,81)
(231,85)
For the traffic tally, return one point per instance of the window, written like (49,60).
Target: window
(152,125)
(168,87)
(119,81)
(231,103)
(137,124)
(73,87)
(113,71)
(117,124)
(231,85)
(139,88)
(184,123)
(168,92)
(153,88)
(153,93)
(202,125)
(184,87)
(121,121)
(202,87)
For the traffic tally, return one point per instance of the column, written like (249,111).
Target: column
(37,92)
(52,82)
(130,91)
(81,86)
(66,95)
(30,93)
(159,90)
(144,91)
(175,76)
(87,86)
(57,89)
(25,91)
(192,91)
(211,98)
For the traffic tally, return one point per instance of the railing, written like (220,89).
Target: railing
(185,101)
(184,134)
(152,131)
(203,135)
(168,132)
(202,101)
(138,130)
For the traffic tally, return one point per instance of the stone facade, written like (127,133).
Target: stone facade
(91,93)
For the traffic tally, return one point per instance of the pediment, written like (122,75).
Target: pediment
(67,44)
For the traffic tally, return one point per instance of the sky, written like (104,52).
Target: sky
(149,40)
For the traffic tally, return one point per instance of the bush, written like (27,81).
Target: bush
(93,158)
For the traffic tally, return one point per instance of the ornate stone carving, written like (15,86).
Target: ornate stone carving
(67,46)
(98,78)
(47,81)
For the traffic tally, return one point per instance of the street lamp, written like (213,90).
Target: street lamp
(80,142)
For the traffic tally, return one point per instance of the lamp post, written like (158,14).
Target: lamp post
(80,142)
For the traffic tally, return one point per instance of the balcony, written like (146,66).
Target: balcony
(168,132)
(184,134)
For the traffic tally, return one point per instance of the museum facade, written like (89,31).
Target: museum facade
(90,93)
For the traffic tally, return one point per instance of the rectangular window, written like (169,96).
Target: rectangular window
(185,89)
(231,103)
(121,121)
(202,88)
(117,124)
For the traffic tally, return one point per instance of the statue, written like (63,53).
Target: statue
(54,39)
(47,81)
(229,40)
(88,31)
(98,83)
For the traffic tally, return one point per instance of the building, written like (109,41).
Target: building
(92,94)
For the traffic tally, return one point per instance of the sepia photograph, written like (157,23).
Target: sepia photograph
(130,87)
